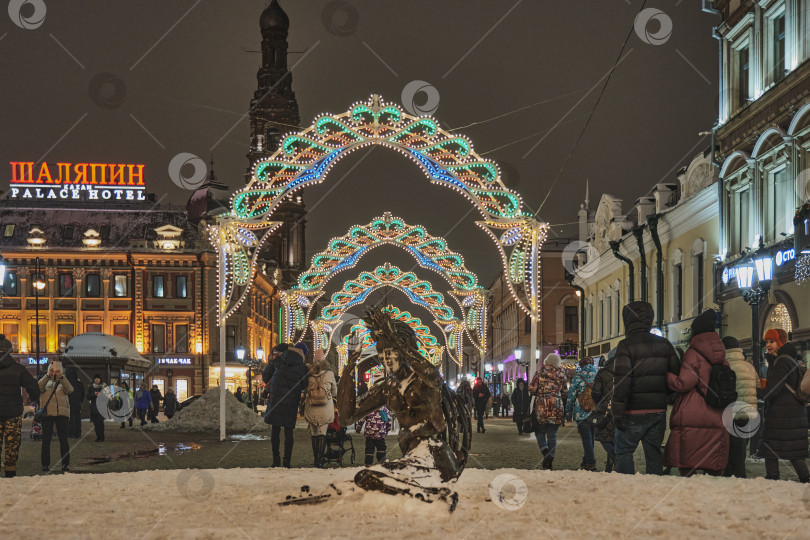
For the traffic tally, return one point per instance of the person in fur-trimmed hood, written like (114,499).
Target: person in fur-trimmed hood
(319,407)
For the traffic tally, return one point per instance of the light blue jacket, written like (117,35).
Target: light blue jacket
(585,376)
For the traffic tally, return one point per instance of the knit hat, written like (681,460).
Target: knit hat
(586,361)
(302,346)
(705,322)
(5,345)
(553,360)
(97,376)
(730,342)
(773,335)
(281,347)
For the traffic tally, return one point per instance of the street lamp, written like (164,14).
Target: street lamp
(251,363)
(38,284)
(518,356)
(755,293)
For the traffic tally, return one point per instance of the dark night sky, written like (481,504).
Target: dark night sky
(190,85)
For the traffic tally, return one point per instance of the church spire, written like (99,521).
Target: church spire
(273,109)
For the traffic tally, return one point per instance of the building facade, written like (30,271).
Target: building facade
(558,329)
(661,251)
(138,272)
(763,152)
(108,260)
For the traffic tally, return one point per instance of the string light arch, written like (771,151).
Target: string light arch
(355,292)
(343,253)
(305,158)
(427,343)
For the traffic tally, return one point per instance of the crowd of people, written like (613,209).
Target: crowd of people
(722,410)
(624,403)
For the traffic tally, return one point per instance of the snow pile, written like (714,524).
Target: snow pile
(203,415)
(504,503)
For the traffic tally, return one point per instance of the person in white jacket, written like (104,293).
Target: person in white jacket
(745,421)
(319,407)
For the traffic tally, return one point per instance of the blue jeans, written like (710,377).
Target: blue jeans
(586,430)
(546,436)
(647,429)
(608,447)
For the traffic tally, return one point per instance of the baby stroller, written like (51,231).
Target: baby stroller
(36,430)
(337,441)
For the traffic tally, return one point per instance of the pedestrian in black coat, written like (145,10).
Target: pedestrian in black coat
(520,403)
(93,392)
(602,394)
(13,376)
(156,397)
(170,403)
(784,434)
(481,395)
(287,378)
(76,398)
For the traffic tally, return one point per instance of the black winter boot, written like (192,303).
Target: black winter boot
(321,450)
(276,459)
(11,474)
(611,460)
(316,447)
(286,462)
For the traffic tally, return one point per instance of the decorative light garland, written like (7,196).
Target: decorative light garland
(355,292)
(427,344)
(343,253)
(306,158)
(802,275)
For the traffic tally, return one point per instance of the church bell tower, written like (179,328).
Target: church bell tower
(273,113)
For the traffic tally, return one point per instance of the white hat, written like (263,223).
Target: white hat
(553,360)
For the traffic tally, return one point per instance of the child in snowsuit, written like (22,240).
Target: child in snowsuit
(377,425)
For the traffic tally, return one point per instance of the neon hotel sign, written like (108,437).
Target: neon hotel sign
(82,181)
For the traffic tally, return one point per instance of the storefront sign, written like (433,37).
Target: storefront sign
(784,256)
(33,361)
(77,181)
(175,361)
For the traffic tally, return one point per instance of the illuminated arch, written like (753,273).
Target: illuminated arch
(344,253)
(305,158)
(356,291)
(427,343)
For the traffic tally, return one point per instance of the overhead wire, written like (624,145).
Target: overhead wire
(593,110)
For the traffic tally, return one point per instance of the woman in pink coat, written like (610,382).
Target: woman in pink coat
(698,439)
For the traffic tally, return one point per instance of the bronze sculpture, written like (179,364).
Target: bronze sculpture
(435,426)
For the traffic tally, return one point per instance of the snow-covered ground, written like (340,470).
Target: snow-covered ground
(242,503)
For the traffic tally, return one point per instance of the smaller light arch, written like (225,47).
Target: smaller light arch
(421,293)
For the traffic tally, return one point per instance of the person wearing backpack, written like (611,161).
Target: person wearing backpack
(698,438)
(784,433)
(580,406)
(639,404)
(746,418)
(319,409)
